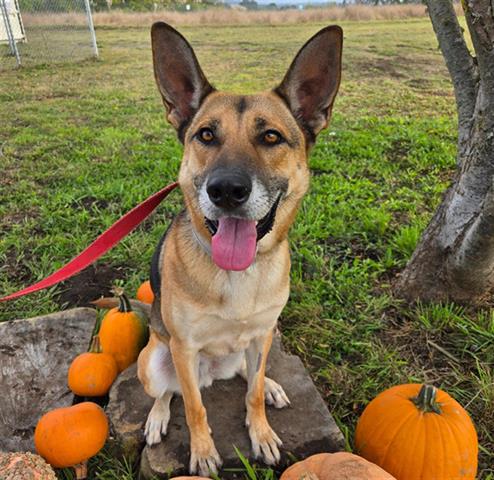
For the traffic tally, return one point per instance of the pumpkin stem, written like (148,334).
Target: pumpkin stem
(425,401)
(124,306)
(81,471)
(95,345)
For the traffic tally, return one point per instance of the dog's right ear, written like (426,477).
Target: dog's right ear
(181,82)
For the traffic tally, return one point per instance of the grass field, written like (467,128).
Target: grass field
(81,144)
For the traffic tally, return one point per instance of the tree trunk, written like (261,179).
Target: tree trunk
(454,259)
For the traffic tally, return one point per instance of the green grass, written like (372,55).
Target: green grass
(83,143)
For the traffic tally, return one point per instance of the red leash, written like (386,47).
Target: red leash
(101,245)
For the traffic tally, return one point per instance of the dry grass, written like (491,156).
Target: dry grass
(235,17)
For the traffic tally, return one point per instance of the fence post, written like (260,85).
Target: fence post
(91,27)
(10,33)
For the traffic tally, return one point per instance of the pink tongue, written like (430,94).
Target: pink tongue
(234,244)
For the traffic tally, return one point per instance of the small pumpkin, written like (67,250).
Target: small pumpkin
(92,373)
(190,478)
(418,432)
(123,332)
(335,466)
(25,466)
(69,436)
(145,293)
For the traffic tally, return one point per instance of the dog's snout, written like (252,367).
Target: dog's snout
(229,188)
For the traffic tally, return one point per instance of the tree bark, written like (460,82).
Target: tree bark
(454,259)
(460,63)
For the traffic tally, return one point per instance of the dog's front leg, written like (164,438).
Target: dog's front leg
(203,455)
(264,440)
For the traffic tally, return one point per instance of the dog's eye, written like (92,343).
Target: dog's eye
(272,137)
(205,135)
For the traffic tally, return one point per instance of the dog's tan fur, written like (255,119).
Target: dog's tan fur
(205,317)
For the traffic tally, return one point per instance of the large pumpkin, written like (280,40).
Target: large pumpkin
(417,432)
(335,466)
(68,436)
(123,332)
(91,374)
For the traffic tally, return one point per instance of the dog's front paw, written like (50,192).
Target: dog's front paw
(274,394)
(204,458)
(156,423)
(265,442)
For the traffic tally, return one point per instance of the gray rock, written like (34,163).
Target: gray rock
(127,410)
(34,358)
(306,427)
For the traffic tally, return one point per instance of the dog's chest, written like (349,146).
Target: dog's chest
(249,306)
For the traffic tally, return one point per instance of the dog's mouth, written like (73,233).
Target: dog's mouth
(234,241)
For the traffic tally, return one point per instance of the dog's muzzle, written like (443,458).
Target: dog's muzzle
(234,240)
(263,227)
(236,199)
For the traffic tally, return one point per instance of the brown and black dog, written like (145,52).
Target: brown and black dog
(220,274)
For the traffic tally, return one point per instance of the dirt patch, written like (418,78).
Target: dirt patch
(317,172)
(416,72)
(423,84)
(8,221)
(399,150)
(16,267)
(424,350)
(9,175)
(90,203)
(93,282)
(348,250)
(388,66)
(442,93)
(385,66)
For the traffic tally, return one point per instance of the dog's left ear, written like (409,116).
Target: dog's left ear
(181,82)
(311,83)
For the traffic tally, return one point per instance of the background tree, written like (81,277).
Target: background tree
(455,257)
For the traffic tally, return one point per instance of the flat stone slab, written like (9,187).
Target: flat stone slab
(35,355)
(306,427)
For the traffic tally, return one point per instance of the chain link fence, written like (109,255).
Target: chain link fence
(34,32)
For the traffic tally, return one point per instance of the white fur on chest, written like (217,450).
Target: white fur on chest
(251,302)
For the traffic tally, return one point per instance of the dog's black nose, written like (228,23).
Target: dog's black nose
(229,188)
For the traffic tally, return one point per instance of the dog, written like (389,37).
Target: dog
(220,274)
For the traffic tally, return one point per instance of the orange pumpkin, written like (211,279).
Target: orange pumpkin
(25,466)
(145,293)
(91,374)
(335,466)
(123,332)
(418,432)
(69,436)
